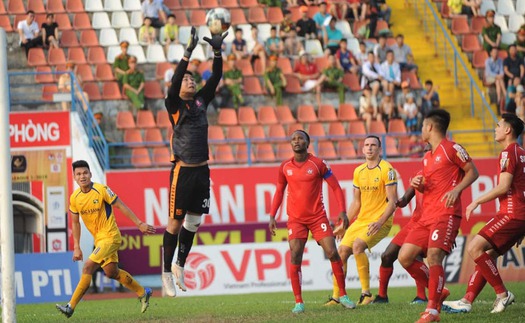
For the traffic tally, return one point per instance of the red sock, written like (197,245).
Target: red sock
(436,282)
(384,277)
(419,271)
(475,285)
(337,269)
(487,266)
(421,286)
(296,278)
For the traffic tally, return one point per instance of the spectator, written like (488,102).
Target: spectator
(293,46)
(332,37)
(332,78)
(147,34)
(287,26)
(410,113)
(401,97)
(368,109)
(417,147)
(29,33)
(171,32)
(345,58)
(274,44)
(387,108)
(384,10)
(520,42)
(120,65)
(513,86)
(494,74)
(258,50)
(372,75)
(239,47)
(464,7)
(362,55)
(380,49)
(153,10)
(370,11)
(168,75)
(520,102)
(99,118)
(64,86)
(513,66)
(430,99)
(272,3)
(133,85)
(391,73)
(274,80)
(491,33)
(511,107)
(50,31)
(233,80)
(355,5)
(305,26)
(403,54)
(320,17)
(306,72)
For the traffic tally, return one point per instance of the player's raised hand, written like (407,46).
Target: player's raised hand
(192,43)
(450,198)
(146,228)
(470,208)
(216,41)
(77,254)
(374,228)
(343,220)
(417,182)
(272,226)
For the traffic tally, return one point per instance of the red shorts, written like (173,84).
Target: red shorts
(320,228)
(441,234)
(502,232)
(401,235)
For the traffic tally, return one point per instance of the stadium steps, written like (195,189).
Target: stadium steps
(454,99)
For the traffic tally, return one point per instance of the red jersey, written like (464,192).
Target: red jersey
(305,184)
(512,161)
(442,171)
(305,69)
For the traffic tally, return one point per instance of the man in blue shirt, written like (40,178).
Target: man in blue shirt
(319,18)
(153,9)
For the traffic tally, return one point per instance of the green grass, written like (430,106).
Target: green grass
(273,307)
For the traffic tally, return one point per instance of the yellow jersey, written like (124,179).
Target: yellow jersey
(96,209)
(372,183)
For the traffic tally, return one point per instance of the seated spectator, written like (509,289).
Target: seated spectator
(147,34)
(29,32)
(494,74)
(520,102)
(153,10)
(387,108)
(430,99)
(306,71)
(168,75)
(273,3)
(464,7)
(258,51)
(292,46)
(491,33)
(380,49)
(372,75)
(345,59)
(362,55)
(511,106)
(391,73)
(64,86)
(120,65)
(384,11)
(520,42)
(368,109)
(133,85)
(356,6)
(171,32)
(410,113)
(50,31)
(513,86)
(274,80)
(403,54)
(305,26)
(320,17)
(274,44)
(332,78)
(332,37)
(401,97)
(513,66)
(370,11)
(287,25)
(239,47)
(233,80)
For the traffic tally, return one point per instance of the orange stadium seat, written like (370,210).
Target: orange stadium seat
(470,43)
(346,112)
(352,82)
(256,15)
(460,25)
(62,19)
(36,5)
(92,90)
(2,8)
(161,157)
(246,116)
(346,150)
(284,64)
(59,70)
(256,132)
(252,86)
(172,4)
(160,70)
(224,155)
(76,54)
(245,66)
(396,126)
(283,151)
(241,154)
(377,127)
(306,113)
(248,3)
(327,113)
(237,16)
(227,117)
(209,4)
(56,56)
(44,78)
(125,120)
(215,133)
(293,85)
(96,55)
(275,15)
(264,153)
(382,26)
(81,21)
(85,72)
(190,4)
(412,79)
(321,62)
(88,38)
(229,4)
(153,137)
(16,7)
(235,133)
(258,68)
(152,90)
(145,119)
(111,91)
(266,115)
(276,132)
(104,73)
(69,39)
(140,158)
(296,14)
(404,145)
(284,115)
(48,90)
(133,137)
(75,6)
(477,24)
(479,57)
(198,17)
(36,57)
(211,158)
(294,127)
(180,18)
(391,147)
(445,10)
(336,131)
(55,6)
(6,23)
(163,119)
(356,127)
(316,129)
(326,150)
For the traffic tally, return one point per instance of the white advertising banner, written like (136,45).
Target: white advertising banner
(56,208)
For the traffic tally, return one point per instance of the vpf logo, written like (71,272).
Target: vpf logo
(199,271)
(57,245)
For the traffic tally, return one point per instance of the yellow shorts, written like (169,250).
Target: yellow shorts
(105,252)
(359,230)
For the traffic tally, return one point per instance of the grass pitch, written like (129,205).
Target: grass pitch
(274,307)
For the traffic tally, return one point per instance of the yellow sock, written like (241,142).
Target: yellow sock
(335,293)
(127,280)
(363,269)
(82,287)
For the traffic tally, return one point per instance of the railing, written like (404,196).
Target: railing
(445,48)
(28,94)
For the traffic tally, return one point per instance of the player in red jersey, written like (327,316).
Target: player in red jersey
(506,228)
(304,174)
(392,251)
(447,171)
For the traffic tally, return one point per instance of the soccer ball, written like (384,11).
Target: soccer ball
(218,20)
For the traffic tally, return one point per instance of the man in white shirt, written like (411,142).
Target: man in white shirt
(153,9)
(372,74)
(29,32)
(391,73)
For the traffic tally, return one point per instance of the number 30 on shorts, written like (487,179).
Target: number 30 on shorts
(206,203)
(435,235)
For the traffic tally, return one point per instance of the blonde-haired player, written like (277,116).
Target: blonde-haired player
(375,196)
(94,203)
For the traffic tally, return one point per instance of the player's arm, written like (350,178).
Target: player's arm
(339,196)
(505,181)
(208,91)
(353,212)
(143,227)
(391,195)
(277,200)
(75,223)
(406,198)
(471,174)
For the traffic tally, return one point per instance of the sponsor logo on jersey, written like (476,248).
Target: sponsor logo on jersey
(310,171)
(461,153)
(289,172)
(110,192)
(95,201)
(391,174)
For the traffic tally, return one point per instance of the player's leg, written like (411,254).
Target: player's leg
(363,270)
(296,258)
(187,233)
(385,271)
(114,272)
(408,258)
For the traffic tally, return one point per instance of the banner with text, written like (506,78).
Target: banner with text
(39,129)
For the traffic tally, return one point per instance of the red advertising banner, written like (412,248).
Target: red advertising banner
(39,129)
(243,194)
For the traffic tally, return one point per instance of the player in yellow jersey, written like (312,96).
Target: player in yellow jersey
(94,203)
(375,196)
